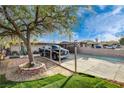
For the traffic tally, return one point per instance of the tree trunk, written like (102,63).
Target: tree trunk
(29,51)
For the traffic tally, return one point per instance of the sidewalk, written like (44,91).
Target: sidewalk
(97,67)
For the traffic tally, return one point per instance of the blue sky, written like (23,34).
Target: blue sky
(103,22)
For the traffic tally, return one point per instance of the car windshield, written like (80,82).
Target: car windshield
(55,47)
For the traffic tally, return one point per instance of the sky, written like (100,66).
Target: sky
(104,22)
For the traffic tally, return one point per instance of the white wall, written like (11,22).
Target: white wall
(15,48)
(33,47)
(100,51)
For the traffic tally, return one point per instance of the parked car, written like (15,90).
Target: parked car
(117,46)
(35,52)
(98,46)
(54,49)
(110,47)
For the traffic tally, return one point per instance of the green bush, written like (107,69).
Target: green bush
(2,78)
(121,41)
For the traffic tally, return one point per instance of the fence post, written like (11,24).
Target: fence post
(51,53)
(75,55)
(44,52)
(59,55)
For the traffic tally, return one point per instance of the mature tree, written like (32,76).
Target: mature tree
(121,41)
(25,21)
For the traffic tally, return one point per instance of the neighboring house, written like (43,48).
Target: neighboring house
(35,46)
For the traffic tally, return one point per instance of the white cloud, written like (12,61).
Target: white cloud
(75,36)
(80,11)
(107,37)
(117,10)
(106,26)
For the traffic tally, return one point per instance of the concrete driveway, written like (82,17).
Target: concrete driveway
(97,67)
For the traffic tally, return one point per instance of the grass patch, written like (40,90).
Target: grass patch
(31,84)
(60,81)
(83,81)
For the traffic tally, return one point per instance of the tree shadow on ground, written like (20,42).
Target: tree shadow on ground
(66,81)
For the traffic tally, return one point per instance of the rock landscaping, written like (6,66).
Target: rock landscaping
(16,69)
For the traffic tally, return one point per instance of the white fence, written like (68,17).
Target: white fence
(100,51)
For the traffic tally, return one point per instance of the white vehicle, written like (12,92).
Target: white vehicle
(113,46)
(110,47)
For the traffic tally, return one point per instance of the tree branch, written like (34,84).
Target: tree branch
(6,33)
(17,31)
(5,27)
(36,14)
(9,18)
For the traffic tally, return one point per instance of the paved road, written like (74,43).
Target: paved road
(96,67)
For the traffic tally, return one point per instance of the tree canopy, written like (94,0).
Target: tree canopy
(19,20)
(25,21)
